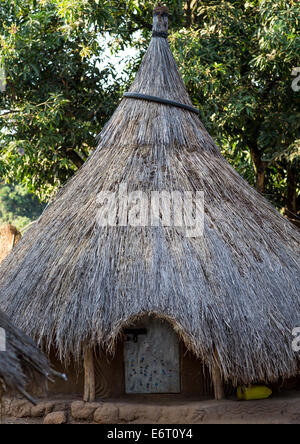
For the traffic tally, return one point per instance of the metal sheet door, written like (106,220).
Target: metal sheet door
(152,358)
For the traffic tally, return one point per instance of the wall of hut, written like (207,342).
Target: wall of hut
(195,380)
(9,237)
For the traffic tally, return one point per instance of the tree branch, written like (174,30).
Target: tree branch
(140,21)
(75,158)
(12,111)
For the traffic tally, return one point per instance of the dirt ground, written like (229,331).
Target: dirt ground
(279,409)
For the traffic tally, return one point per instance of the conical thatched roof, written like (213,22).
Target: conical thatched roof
(20,359)
(234,291)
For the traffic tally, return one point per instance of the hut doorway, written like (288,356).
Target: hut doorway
(152,358)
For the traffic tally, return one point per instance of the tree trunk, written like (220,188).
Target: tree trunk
(188,13)
(260,180)
(291,204)
(259,169)
(75,158)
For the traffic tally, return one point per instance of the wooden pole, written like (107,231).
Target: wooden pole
(218,383)
(13,241)
(217,379)
(160,19)
(89,375)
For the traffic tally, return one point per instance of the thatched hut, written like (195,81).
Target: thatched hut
(21,362)
(9,237)
(148,309)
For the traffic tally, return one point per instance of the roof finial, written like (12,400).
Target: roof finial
(160,21)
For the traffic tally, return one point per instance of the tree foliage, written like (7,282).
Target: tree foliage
(57,94)
(17,206)
(237,60)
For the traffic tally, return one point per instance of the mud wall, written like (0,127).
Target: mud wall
(110,376)
(9,236)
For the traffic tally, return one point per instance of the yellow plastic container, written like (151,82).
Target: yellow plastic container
(253,392)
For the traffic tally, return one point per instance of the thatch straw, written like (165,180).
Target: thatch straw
(236,290)
(21,360)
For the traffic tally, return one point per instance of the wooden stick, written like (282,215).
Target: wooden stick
(89,375)
(13,242)
(218,383)
(217,379)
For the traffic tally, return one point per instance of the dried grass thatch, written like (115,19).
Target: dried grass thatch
(21,360)
(234,291)
(9,237)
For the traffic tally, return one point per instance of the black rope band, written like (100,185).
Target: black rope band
(159,100)
(160,34)
(162,14)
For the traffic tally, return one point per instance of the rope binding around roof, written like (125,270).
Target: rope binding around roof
(133,95)
(164,35)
